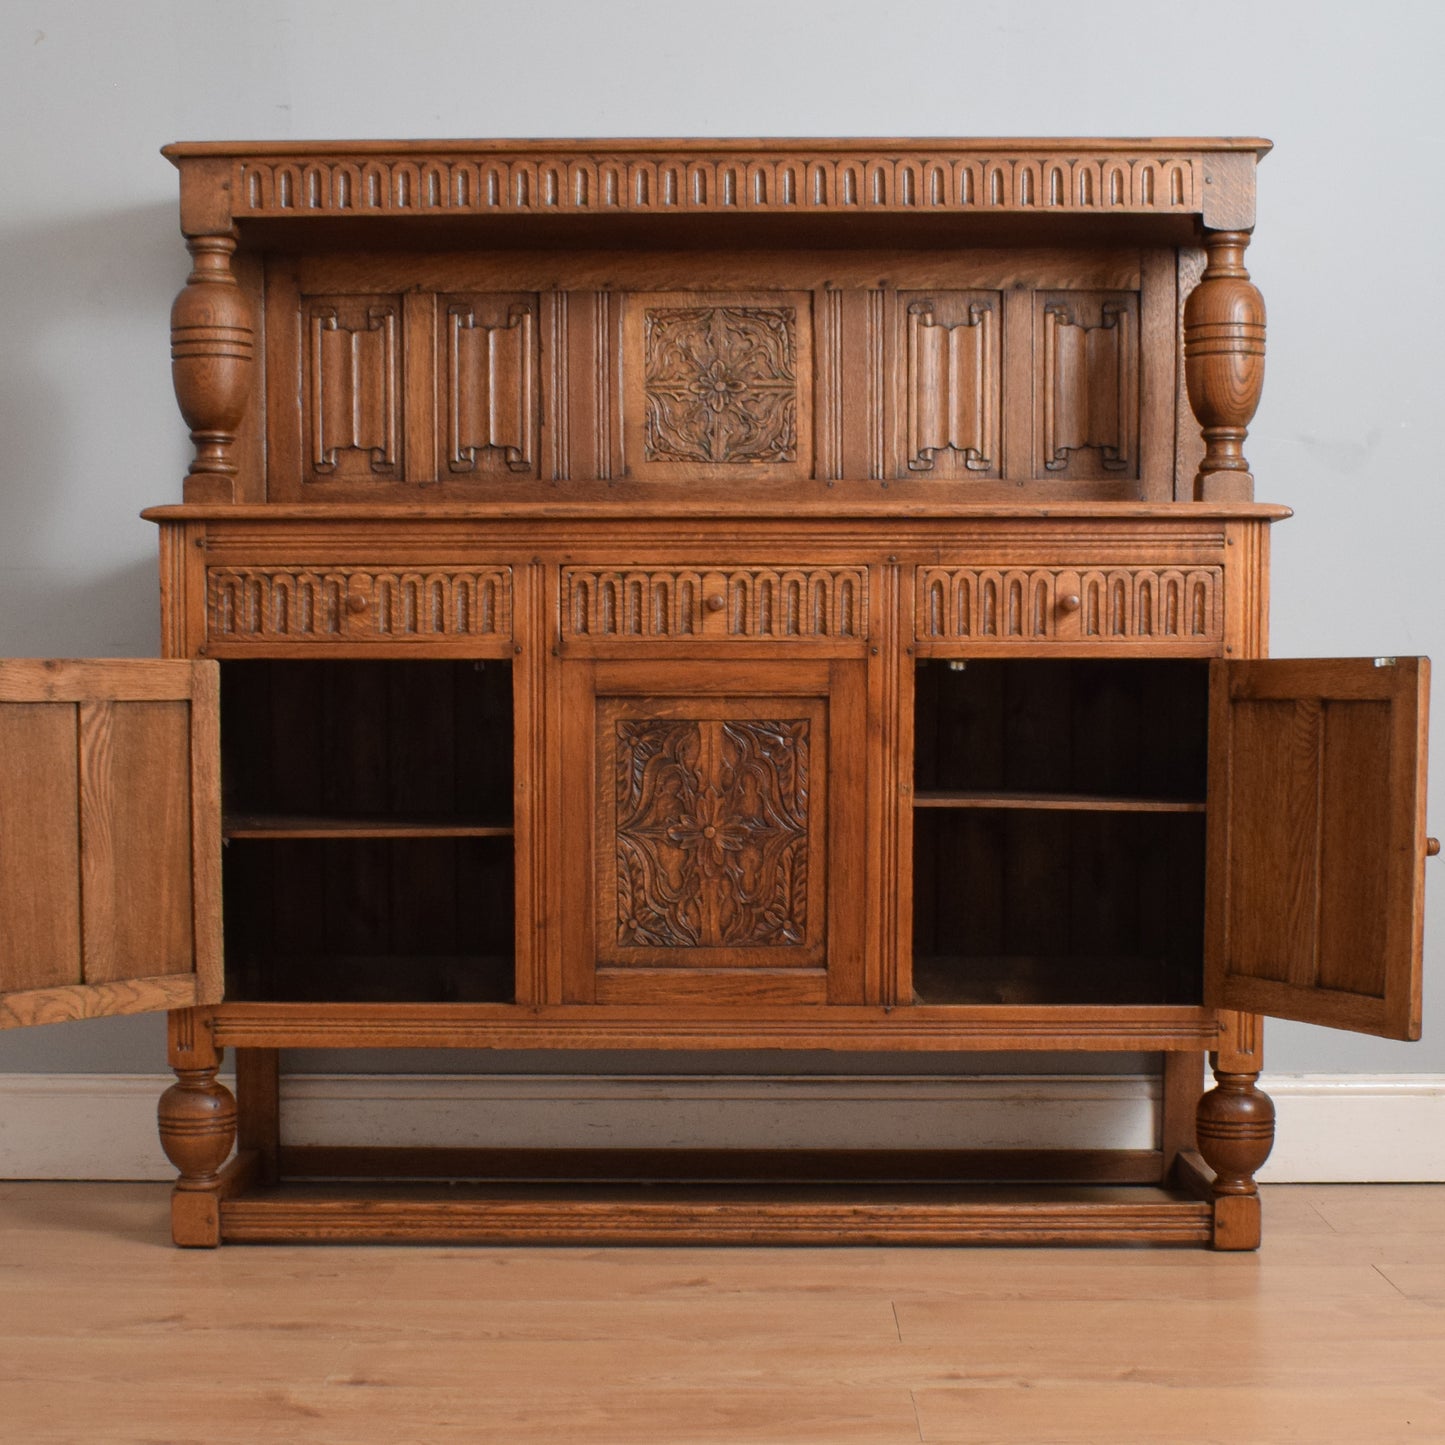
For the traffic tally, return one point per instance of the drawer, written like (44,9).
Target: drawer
(1181,608)
(357,604)
(785,604)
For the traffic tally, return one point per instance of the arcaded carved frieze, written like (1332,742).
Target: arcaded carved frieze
(798,181)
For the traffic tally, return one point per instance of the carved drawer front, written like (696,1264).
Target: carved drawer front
(356,604)
(1178,607)
(787,604)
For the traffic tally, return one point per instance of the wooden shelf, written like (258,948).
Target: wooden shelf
(385,978)
(1063,981)
(1056,802)
(280,825)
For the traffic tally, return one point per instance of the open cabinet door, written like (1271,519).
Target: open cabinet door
(1317,841)
(110,838)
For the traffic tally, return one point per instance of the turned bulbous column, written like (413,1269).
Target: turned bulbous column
(1234,1127)
(1224,327)
(213,344)
(197,1118)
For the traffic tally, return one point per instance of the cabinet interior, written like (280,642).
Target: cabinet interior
(368,823)
(1059,832)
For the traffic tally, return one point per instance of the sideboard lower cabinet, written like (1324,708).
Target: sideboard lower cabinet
(700,595)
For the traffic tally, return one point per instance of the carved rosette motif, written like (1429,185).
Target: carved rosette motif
(712,832)
(720,384)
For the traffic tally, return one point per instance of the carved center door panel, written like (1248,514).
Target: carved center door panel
(713,834)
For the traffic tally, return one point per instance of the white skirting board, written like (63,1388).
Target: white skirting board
(1353,1128)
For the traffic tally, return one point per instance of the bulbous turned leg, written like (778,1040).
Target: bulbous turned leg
(1234,1127)
(197,1118)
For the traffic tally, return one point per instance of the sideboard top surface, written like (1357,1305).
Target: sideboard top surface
(582,507)
(182,150)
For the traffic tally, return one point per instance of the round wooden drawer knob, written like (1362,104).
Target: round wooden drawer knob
(1070,602)
(715,603)
(1432,847)
(356,603)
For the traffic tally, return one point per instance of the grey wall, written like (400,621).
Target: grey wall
(1348,257)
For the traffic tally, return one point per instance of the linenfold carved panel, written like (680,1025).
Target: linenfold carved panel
(718,386)
(1049,604)
(356,604)
(491,395)
(1087,370)
(792,604)
(711,832)
(952,382)
(352,387)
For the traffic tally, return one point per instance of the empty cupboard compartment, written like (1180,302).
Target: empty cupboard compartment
(368,823)
(1059,832)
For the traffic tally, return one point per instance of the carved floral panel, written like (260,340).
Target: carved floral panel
(712,825)
(722,384)
(718,385)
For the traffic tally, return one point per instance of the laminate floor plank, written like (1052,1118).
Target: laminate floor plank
(1334,1332)
(1135,1414)
(1169,1342)
(1421,1279)
(1349,1209)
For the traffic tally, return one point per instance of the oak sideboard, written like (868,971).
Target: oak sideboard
(716,595)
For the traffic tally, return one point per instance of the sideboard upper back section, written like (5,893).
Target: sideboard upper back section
(726,323)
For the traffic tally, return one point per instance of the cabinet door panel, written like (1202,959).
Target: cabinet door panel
(109,838)
(1317,841)
(714,810)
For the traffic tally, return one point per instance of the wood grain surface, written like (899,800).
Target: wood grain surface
(1333,1335)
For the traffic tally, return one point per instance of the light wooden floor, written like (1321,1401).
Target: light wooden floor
(108,1336)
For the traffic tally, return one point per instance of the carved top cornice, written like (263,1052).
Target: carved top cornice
(1209,178)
